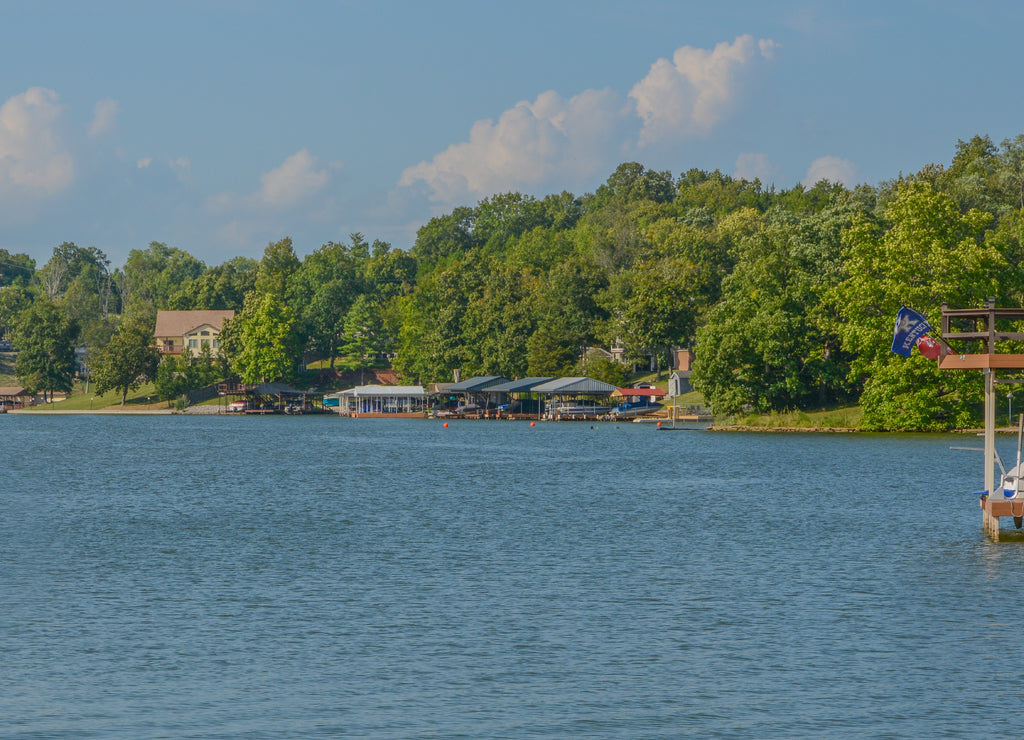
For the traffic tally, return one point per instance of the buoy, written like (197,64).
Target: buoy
(446,425)
(659,423)
(533,423)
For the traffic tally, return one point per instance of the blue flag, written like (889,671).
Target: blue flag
(910,326)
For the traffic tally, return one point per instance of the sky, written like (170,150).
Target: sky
(221,126)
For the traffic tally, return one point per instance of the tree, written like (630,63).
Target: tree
(770,343)
(44,336)
(261,342)
(279,263)
(221,287)
(128,360)
(13,300)
(16,269)
(156,273)
(931,254)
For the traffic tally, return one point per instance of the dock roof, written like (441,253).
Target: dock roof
(523,385)
(581,385)
(478,383)
(381,391)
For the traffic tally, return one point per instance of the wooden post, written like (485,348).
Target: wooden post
(990,435)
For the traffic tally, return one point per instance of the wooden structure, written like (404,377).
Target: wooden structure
(987,326)
(15,397)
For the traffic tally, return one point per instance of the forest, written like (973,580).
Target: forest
(787,297)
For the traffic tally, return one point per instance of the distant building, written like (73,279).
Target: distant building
(176,330)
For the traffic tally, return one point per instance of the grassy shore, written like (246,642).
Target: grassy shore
(142,399)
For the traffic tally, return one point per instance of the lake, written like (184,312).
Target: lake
(315,577)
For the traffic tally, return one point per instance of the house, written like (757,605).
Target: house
(176,330)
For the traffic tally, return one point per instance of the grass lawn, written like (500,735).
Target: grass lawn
(141,399)
(845,417)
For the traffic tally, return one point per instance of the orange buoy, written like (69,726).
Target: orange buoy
(533,423)
(446,425)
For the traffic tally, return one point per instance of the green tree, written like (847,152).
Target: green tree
(276,268)
(13,300)
(221,287)
(931,254)
(261,342)
(154,274)
(16,269)
(770,343)
(44,336)
(128,360)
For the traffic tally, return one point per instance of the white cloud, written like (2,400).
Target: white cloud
(182,167)
(144,163)
(104,117)
(33,161)
(833,169)
(529,144)
(691,93)
(296,178)
(569,140)
(753,167)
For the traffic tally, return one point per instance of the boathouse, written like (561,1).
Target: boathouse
(516,397)
(386,401)
(575,398)
(469,396)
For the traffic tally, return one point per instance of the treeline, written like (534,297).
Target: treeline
(787,296)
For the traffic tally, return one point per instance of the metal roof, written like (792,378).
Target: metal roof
(381,391)
(640,392)
(478,383)
(279,389)
(518,386)
(581,385)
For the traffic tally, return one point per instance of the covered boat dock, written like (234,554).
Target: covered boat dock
(381,401)
(576,398)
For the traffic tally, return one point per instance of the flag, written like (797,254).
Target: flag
(929,347)
(910,326)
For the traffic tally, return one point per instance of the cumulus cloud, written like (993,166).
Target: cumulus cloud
(296,178)
(572,139)
(753,167)
(833,169)
(33,160)
(528,144)
(144,163)
(695,90)
(104,116)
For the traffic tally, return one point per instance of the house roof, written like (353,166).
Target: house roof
(582,385)
(517,386)
(180,323)
(478,383)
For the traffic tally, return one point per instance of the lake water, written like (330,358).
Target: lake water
(313,577)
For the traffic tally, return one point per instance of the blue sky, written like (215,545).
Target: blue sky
(221,126)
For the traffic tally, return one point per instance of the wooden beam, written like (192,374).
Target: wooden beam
(979,362)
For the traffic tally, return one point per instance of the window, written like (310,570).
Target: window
(204,333)
(206,343)
(193,343)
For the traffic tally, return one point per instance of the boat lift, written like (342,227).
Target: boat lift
(1006,499)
